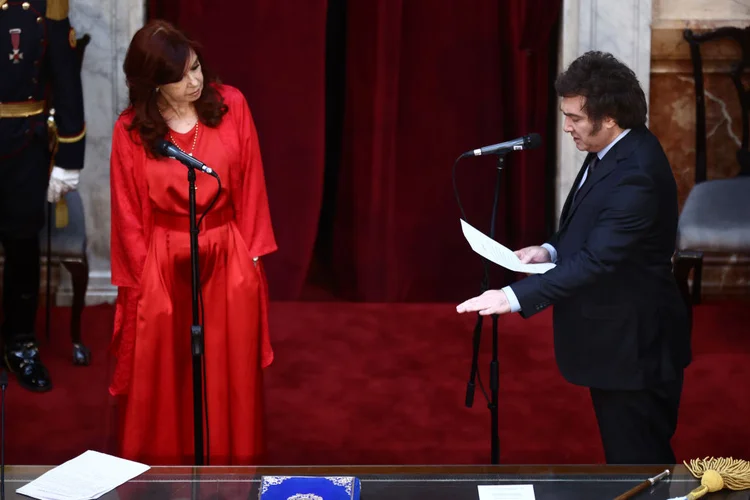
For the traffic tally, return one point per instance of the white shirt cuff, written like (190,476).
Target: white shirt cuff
(552,251)
(515,306)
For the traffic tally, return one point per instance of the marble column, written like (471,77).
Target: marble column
(621,27)
(111,25)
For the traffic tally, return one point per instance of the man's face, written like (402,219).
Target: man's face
(587,135)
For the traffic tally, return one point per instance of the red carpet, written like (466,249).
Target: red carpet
(385,384)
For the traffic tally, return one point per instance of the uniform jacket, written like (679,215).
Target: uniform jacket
(39,63)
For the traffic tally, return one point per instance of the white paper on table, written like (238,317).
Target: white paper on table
(506,492)
(497,253)
(88,476)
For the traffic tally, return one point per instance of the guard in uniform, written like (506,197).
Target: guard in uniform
(42,132)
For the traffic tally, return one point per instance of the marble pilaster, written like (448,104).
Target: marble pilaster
(111,24)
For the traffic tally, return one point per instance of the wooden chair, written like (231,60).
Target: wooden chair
(715,219)
(68,248)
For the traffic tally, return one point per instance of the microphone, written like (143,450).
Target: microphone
(170,150)
(531,141)
(3,385)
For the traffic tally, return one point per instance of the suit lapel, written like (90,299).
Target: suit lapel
(571,193)
(606,166)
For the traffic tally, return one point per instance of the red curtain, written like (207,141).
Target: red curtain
(274,52)
(424,82)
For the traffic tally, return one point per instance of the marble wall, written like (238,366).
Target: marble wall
(111,25)
(672,106)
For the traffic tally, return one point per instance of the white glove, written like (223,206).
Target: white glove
(60,182)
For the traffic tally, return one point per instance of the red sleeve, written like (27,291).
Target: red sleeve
(128,253)
(128,241)
(251,207)
(252,211)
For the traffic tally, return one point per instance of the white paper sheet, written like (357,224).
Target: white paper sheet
(86,477)
(507,492)
(497,253)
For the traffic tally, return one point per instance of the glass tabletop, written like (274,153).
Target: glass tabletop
(400,482)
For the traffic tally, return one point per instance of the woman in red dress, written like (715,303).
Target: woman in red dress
(170,99)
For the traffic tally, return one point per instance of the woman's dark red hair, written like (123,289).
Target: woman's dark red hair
(158,55)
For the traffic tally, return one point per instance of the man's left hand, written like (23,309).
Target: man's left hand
(61,181)
(490,302)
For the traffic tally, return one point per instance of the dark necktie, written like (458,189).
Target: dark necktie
(589,174)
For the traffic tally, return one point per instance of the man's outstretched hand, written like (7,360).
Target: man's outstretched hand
(495,301)
(490,302)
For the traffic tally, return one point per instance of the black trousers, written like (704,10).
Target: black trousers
(636,427)
(20,289)
(23,187)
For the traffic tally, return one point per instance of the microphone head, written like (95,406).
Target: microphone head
(162,146)
(532,141)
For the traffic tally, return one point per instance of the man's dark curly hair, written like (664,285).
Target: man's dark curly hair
(609,87)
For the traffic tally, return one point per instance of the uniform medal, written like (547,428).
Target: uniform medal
(15,40)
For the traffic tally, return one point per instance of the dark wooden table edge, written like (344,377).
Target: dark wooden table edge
(378,470)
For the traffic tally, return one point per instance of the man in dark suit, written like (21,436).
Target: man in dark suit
(621,327)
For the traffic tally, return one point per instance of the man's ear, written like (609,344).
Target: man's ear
(609,123)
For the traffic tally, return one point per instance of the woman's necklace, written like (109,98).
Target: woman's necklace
(195,140)
(195,136)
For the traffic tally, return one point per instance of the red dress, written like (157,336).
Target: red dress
(151,268)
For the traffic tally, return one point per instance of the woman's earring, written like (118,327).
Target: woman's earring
(157,89)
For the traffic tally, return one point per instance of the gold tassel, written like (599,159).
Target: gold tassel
(716,473)
(61,214)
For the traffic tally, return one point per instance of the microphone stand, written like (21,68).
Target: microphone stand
(494,364)
(195,485)
(196,330)
(3,385)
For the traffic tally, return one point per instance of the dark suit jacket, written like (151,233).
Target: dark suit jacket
(619,319)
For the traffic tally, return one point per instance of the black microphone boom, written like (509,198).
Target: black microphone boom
(531,141)
(168,149)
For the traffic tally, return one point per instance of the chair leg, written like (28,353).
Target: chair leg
(684,261)
(79,272)
(697,280)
